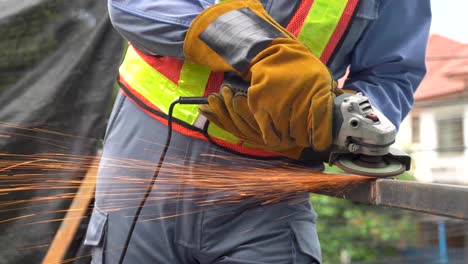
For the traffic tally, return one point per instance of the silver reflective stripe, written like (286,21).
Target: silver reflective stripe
(200,122)
(238,36)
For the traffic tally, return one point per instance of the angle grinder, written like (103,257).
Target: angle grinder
(362,138)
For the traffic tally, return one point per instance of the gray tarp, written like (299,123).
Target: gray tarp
(58,63)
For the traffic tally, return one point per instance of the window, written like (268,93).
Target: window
(415,127)
(450,136)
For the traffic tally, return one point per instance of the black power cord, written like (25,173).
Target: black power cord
(181,100)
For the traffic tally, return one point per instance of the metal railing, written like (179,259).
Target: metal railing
(437,199)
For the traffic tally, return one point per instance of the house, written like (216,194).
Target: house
(436,130)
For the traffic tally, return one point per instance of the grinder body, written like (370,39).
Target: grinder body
(362,137)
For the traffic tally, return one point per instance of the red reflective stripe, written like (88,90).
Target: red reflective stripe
(214,83)
(170,67)
(187,131)
(340,30)
(297,21)
(177,127)
(244,150)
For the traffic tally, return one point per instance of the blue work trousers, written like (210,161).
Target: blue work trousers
(181,223)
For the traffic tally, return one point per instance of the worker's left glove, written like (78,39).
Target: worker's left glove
(291,92)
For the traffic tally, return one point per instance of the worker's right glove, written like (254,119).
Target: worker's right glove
(229,110)
(291,91)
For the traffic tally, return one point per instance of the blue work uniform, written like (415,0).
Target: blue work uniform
(384,49)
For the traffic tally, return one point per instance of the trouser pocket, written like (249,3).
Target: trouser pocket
(95,235)
(305,242)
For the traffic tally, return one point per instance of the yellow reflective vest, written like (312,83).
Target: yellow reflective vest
(153,83)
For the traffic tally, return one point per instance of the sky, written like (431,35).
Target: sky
(450,19)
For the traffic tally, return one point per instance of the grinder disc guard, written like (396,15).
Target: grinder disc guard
(373,166)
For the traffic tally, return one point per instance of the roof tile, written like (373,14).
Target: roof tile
(446,62)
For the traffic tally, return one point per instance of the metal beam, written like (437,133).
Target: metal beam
(437,199)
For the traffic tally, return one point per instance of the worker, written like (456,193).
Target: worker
(268,70)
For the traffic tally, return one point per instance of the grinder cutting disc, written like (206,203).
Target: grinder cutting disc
(374,166)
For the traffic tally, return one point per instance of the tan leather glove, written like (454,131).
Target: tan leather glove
(229,110)
(291,91)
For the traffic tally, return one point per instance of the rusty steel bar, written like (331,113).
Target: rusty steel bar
(437,199)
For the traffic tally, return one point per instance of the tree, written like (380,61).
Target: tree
(363,232)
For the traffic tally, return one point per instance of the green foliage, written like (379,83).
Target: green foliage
(367,233)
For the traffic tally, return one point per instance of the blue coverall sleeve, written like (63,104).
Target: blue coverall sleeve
(156,26)
(388,62)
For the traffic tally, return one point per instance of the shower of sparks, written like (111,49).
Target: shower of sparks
(211,179)
(208,183)
(37,183)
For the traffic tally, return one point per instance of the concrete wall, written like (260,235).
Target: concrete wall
(429,165)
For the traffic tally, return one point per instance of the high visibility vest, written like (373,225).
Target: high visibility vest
(154,82)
